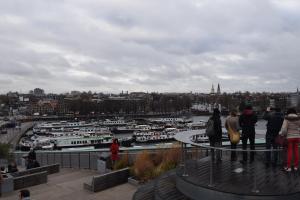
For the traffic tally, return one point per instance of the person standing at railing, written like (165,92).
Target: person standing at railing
(291,129)
(31,159)
(274,119)
(114,150)
(247,122)
(215,139)
(232,127)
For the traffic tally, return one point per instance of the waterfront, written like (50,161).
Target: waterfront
(261,124)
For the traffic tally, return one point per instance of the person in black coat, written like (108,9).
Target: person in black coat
(247,122)
(31,159)
(216,139)
(274,119)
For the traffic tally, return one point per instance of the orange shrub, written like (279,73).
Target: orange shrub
(172,155)
(157,157)
(143,166)
(148,166)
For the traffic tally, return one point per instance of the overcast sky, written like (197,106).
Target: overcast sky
(149,45)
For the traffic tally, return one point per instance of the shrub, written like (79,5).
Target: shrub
(172,155)
(122,163)
(157,158)
(148,166)
(143,167)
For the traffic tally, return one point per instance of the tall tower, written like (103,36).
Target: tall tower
(218,90)
(212,91)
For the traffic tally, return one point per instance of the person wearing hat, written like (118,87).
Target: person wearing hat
(247,122)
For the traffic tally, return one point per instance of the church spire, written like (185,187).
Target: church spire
(218,90)
(212,91)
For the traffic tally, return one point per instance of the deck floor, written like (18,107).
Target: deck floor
(233,177)
(68,184)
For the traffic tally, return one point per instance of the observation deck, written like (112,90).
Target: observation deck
(200,177)
(230,179)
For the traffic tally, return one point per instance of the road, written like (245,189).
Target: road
(13,134)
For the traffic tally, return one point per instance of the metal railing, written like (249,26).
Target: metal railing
(186,139)
(83,159)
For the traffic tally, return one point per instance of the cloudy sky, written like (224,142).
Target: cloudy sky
(149,45)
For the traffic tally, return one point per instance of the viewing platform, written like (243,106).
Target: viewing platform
(200,177)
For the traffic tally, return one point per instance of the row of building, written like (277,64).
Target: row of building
(37,102)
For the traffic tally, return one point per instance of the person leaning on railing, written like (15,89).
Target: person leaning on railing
(291,129)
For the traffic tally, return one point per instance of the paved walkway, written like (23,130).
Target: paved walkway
(68,184)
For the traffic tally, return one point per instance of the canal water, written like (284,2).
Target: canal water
(261,126)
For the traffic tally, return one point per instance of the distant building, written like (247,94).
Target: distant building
(45,107)
(272,103)
(294,99)
(38,92)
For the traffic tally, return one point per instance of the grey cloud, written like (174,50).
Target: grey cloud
(171,45)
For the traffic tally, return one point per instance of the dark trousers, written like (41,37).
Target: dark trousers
(233,153)
(251,138)
(270,142)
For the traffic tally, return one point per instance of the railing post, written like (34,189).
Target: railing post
(181,162)
(211,171)
(89,160)
(79,159)
(70,160)
(47,158)
(255,189)
(61,159)
(184,162)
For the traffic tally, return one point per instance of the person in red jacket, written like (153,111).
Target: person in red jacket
(114,149)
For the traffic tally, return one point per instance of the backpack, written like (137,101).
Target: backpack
(210,129)
(234,136)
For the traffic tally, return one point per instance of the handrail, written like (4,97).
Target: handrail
(186,138)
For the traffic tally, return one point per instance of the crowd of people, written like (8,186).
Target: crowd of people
(282,130)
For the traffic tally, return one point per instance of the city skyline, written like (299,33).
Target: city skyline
(133,46)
